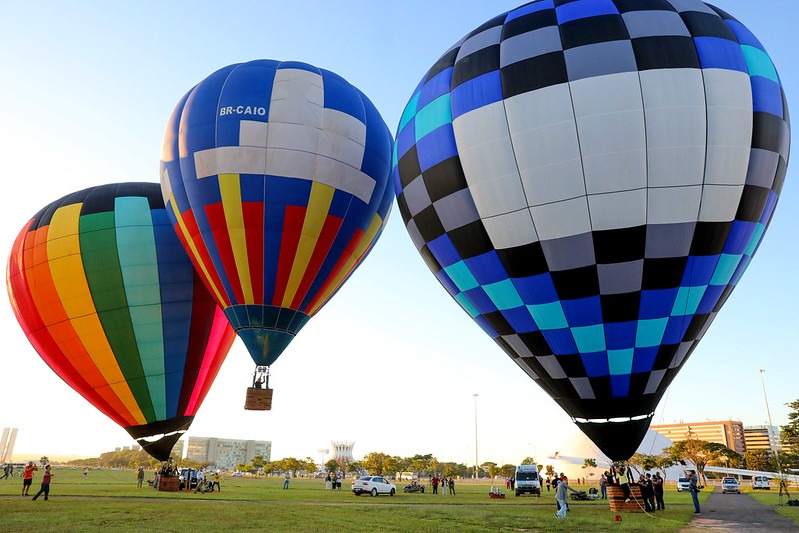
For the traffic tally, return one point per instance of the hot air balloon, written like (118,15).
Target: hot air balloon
(107,296)
(276,177)
(589,180)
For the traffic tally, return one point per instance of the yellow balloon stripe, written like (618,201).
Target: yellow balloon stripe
(198,260)
(69,279)
(366,240)
(318,207)
(230,189)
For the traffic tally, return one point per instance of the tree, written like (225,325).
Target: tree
(309,466)
(643,462)
(492,468)
(507,470)
(550,471)
(528,461)
(699,453)
(243,467)
(375,463)
(292,465)
(789,433)
(44,461)
(759,460)
(257,462)
(331,465)
(421,463)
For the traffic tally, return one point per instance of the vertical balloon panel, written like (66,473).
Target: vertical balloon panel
(589,181)
(276,176)
(108,297)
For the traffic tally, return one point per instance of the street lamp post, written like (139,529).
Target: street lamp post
(768,413)
(476,464)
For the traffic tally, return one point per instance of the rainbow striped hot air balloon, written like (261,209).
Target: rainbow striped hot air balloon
(107,296)
(276,176)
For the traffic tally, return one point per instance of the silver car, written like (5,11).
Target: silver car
(730,484)
(373,485)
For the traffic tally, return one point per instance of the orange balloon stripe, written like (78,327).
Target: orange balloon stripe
(54,336)
(65,269)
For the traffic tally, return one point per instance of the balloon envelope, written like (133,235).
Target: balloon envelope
(109,299)
(589,180)
(276,176)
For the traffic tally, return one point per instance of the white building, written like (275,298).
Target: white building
(226,453)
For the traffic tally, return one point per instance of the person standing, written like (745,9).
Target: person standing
(327,481)
(85,473)
(45,484)
(444,485)
(693,487)
(286,482)
(603,486)
(560,497)
(139,476)
(548,484)
(452,486)
(657,487)
(217,478)
(624,482)
(435,482)
(27,477)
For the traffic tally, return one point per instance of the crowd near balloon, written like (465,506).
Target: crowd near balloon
(587,180)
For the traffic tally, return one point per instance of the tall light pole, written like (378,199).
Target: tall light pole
(476,464)
(768,413)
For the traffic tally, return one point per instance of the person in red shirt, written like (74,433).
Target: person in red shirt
(45,484)
(27,477)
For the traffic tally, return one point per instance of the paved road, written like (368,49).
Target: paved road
(739,512)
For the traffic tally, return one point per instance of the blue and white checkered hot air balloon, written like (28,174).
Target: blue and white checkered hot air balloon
(589,179)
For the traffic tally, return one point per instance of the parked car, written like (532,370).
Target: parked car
(760,482)
(730,484)
(683,484)
(373,485)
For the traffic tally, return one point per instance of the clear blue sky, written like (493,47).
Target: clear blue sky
(391,362)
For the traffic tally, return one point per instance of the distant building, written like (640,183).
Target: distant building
(7,444)
(342,452)
(730,433)
(226,453)
(762,438)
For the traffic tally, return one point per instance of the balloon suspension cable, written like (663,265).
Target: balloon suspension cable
(260,378)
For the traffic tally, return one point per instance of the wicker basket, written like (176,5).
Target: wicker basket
(258,399)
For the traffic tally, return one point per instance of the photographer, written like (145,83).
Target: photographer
(694,487)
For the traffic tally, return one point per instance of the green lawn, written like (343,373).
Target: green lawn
(110,499)
(772,497)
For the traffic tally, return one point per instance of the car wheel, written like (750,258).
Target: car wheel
(356,493)
(374,492)
(391,493)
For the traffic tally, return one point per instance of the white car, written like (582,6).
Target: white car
(373,485)
(730,484)
(683,484)
(760,482)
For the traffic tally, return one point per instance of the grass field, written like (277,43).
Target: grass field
(109,499)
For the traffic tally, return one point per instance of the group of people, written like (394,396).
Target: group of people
(333,481)
(447,485)
(27,480)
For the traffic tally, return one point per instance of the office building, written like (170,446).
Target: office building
(730,433)
(762,438)
(226,453)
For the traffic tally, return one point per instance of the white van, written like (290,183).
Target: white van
(527,480)
(760,482)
